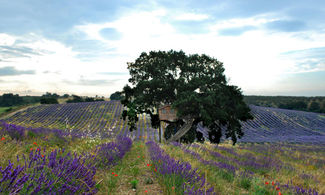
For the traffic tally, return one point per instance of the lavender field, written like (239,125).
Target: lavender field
(86,148)
(103,118)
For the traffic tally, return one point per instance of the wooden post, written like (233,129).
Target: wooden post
(159,131)
(205,184)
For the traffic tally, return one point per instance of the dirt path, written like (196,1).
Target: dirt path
(135,166)
(14,112)
(139,168)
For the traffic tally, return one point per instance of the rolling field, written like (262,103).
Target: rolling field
(85,148)
(97,118)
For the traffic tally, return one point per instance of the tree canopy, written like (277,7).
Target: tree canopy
(194,85)
(116,96)
(9,99)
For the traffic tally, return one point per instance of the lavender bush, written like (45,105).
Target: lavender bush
(228,168)
(18,132)
(109,153)
(177,173)
(56,173)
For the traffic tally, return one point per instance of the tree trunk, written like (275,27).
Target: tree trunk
(159,131)
(183,130)
(157,108)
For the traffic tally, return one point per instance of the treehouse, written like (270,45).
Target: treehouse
(166,113)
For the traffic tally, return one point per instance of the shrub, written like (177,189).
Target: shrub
(58,172)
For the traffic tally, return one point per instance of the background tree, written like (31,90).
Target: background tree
(50,95)
(9,99)
(49,100)
(194,85)
(288,102)
(75,99)
(116,96)
(66,95)
(314,106)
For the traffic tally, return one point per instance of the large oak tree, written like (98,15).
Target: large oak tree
(195,85)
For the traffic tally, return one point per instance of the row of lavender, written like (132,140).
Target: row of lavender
(93,118)
(180,175)
(269,124)
(281,125)
(246,165)
(60,171)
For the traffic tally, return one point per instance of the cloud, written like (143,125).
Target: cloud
(114,73)
(17,51)
(86,38)
(306,60)
(110,33)
(286,25)
(317,52)
(189,27)
(87,82)
(51,72)
(55,18)
(236,31)
(11,71)
(192,17)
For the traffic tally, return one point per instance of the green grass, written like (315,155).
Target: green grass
(227,184)
(6,109)
(321,116)
(134,167)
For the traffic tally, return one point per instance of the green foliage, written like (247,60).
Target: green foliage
(173,180)
(9,99)
(258,188)
(8,109)
(50,95)
(245,183)
(314,106)
(310,104)
(76,99)
(225,175)
(195,86)
(116,96)
(54,140)
(31,134)
(5,109)
(134,184)
(49,100)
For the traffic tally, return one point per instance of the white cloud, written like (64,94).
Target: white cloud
(55,58)
(6,39)
(252,60)
(191,17)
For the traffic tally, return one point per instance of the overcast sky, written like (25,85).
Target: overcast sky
(82,46)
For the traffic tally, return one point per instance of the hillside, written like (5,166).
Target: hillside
(309,104)
(75,160)
(42,161)
(103,118)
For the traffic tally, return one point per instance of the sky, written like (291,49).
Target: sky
(82,46)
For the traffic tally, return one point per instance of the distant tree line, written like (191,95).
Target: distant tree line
(9,99)
(116,96)
(49,98)
(310,104)
(76,99)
